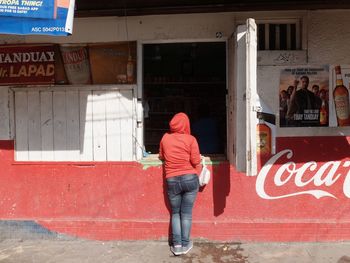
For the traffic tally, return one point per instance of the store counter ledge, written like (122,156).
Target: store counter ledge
(153,160)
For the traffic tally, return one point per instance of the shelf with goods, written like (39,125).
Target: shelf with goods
(165,100)
(182,77)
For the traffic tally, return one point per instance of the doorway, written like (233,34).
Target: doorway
(189,78)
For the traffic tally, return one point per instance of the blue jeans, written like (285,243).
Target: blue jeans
(182,192)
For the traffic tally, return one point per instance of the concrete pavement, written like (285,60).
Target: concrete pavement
(70,250)
(29,242)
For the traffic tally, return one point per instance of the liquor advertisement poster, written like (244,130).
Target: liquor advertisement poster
(27,64)
(113,63)
(339,97)
(43,17)
(304,96)
(76,63)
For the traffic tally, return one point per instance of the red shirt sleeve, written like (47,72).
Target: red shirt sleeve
(161,155)
(195,157)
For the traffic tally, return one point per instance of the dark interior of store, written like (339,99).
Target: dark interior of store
(189,78)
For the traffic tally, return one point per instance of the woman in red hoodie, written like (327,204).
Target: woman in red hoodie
(180,152)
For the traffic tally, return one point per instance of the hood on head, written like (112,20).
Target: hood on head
(180,123)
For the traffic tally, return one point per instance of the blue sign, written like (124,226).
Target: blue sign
(28,8)
(36,17)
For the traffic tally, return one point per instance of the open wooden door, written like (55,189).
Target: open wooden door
(242,98)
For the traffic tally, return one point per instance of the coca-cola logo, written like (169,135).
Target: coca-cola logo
(324,175)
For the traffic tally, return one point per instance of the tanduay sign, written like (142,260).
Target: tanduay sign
(27,64)
(37,17)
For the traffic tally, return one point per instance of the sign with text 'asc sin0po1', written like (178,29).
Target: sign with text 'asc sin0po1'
(37,17)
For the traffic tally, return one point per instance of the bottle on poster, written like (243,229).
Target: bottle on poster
(341,100)
(263,138)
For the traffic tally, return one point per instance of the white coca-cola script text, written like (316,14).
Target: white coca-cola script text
(325,174)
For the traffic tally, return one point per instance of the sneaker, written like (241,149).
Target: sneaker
(187,248)
(177,250)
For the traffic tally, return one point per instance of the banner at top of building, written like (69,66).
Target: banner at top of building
(36,17)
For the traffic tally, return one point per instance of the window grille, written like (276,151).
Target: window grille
(279,36)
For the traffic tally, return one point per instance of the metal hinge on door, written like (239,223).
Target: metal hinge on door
(257,108)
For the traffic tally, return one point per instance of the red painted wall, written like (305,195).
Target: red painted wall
(122,200)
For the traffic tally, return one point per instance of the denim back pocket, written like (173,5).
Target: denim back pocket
(173,187)
(190,185)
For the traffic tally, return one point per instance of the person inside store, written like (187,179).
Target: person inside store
(303,103)
(181,158)
(206,130)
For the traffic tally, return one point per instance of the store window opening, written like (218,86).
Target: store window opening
(190,78)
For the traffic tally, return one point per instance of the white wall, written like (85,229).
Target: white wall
(163,27)
(329,36)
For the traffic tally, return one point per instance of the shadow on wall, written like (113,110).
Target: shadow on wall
(221,186)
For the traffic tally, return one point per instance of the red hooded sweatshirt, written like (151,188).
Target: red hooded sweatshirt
(179,149)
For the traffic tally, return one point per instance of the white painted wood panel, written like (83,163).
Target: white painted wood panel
(85,132)
(126,117)
(99,125)
(46,119)
(251,97)
(11,107)
(59,125)
(72,115)
(34,126)
(75,125)
(113,126)
(21,122)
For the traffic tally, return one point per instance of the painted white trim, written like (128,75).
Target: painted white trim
(139,67)
(11,108)
(231,99)
(246,99)
(251,96)
(139,129)
(240,98)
